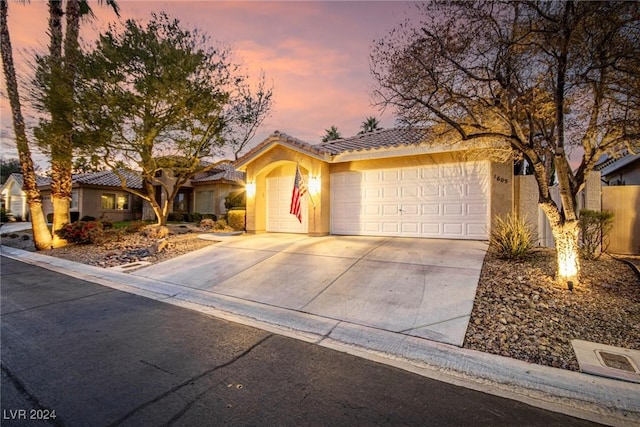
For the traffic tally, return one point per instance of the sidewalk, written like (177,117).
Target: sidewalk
(598,399)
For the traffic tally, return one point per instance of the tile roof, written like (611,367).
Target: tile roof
(612,164)
(385,138)
(40,180)
(108,179)
(104,179)
(223,172)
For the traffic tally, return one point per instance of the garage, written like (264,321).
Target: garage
(279,219)
(434,201)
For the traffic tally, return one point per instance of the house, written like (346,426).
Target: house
(390,182)
(621,196)
(14,200)
(205,193)
(623,170)
(100,194)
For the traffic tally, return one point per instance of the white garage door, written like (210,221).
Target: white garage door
(441,201)
(279,219)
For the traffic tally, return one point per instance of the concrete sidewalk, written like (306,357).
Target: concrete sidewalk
(304,317)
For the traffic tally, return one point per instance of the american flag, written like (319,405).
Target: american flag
(299,190)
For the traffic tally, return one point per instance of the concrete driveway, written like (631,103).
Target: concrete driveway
(419,287)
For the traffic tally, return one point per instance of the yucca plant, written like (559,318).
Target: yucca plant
(511,237)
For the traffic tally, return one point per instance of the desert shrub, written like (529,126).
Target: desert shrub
(87,218)
(82,232)
(220,224)
(3,215)
(236,219)
(196,217)
(511,237)
(235,199)
(207,223)
(155,231)
(210,216)
(135,226)
(106,224)
(594,229)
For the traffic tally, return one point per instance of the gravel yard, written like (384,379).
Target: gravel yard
(519,310)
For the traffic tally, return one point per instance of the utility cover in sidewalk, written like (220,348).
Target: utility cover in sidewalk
(607,361)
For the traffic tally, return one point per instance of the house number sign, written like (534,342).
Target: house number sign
(500,179)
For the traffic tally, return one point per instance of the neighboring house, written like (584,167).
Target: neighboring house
(14,200)
(205,193)
(623,170)
(621,196)
(387,183)
(100,194)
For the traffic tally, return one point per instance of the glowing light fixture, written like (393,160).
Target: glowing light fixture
(251,189)
(567,265)
(314,185)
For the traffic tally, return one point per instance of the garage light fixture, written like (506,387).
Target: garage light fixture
(251,189)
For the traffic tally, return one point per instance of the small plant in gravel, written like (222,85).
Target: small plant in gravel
(220,225)
(594,228)
(237,219)
(207,223)
(511,237)
(81,232)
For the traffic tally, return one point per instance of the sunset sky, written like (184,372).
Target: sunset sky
(316,54)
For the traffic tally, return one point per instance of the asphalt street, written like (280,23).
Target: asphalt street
(95,356)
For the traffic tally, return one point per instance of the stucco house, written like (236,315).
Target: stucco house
(100,194)
(14,200)
(205,193)
(624,170)
(392,182)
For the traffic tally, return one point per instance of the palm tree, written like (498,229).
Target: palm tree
(41,234)
(62,64)
(331,134)
(62,78)
(370,124)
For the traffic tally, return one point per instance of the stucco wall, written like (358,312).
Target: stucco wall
(624,202)
(281,161)
(219,192)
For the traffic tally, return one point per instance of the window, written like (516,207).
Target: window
(204,202)
(115,202)
(74,199)
(108,201)
(123,203)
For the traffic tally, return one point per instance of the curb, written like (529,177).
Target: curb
(629,263)
(598,399)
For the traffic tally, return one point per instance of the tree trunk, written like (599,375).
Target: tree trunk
(567,252)
(64,71)
(41,234)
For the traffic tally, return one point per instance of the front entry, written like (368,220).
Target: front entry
(279,191)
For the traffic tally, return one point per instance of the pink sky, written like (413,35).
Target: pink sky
(315,53)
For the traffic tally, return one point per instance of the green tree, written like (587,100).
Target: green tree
(54,87)
(155,99)
(370,124)
(331,134)
(7,167)
(541,77)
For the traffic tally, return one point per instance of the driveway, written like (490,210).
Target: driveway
(419,287)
